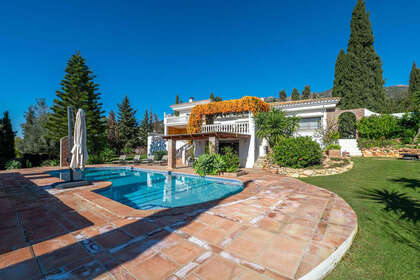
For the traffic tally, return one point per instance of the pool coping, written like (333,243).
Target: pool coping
(87,193)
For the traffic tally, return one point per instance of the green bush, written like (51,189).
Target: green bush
(212,164)
(50,162)
(231,160)
(332,147)
(297,152)
(158,155)
(13,164)
(376,127)
(347,125)
(364,143)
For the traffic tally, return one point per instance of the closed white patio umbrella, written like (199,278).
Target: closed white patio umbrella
(79,150)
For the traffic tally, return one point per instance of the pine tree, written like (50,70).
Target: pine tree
(340,82)
(413,86)
(211,97)
(282,95)
(156,124)
(363,67)
(306,93)
(7,139)
(295,95)
(113,135)
(78,91)
(144,128)
(35,140)
(127,124)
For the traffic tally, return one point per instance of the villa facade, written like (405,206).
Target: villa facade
(238,130)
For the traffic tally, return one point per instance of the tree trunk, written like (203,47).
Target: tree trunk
(416,137)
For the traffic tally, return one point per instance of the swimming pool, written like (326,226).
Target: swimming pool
(145,189)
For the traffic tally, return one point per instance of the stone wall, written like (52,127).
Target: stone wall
(310,172)
(389,152)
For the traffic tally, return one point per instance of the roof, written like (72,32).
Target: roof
(317,101)
(188,105)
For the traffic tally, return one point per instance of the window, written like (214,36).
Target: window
(310,123)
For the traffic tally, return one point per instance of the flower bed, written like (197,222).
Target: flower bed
(330,166)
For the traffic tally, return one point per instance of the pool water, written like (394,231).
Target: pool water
(144,189)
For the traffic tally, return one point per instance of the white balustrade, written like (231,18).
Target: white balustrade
(237,127)
(177,119)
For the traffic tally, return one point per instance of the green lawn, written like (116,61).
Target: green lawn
(385,193)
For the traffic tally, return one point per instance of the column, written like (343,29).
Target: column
(213,145)
(171,154)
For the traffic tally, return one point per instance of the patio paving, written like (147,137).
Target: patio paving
(276,228)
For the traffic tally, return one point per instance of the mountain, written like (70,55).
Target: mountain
(397,91)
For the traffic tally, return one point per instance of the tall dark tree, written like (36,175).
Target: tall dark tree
(295,95)
(127,124)
(145,128)
(35,140)
(214,98)
(177,99)
(282,95)
(413,85)
(363,80)
(340,88)
(79,91)
(7,139)
(306,93)
(113,135)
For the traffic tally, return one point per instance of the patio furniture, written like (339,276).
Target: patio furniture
(135,160)
(121,159)
(410,156)
(163,161)
(149,161)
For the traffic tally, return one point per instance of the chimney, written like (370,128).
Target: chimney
(191,99)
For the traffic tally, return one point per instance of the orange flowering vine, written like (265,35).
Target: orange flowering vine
(244,104)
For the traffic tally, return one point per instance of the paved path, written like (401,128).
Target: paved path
(277,228)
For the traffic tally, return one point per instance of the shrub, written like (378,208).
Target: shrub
(376,127)
(332,147)
(212,164)
(231,160)
(364,143)
(347,125)
(50,162)
(297,152)
(158,155)
(13,164)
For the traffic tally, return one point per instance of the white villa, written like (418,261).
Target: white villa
(238,130)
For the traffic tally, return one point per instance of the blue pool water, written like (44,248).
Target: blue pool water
(144,189)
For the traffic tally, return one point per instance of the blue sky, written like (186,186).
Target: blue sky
(151,50)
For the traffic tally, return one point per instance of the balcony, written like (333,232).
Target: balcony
(237,127)
(176,120)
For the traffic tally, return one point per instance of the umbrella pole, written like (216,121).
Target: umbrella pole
(69,121)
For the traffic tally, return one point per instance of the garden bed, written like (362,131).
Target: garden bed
(390,152)
(330,166)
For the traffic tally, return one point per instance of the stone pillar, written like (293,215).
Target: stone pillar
(213,145)
(171,154)
(64,152)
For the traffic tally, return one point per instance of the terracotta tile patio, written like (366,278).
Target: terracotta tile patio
(276,228)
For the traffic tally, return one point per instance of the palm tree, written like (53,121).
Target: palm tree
(275,124)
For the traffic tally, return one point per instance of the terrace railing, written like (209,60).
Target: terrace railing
(177,119)
(237,127)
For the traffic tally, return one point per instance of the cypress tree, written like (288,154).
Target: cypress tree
(306,93)
(7,139)
(211,97)
(363,66)
(282,95)
(295,95)
(79,91)
(413,86)
(127,124)
(340,82)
